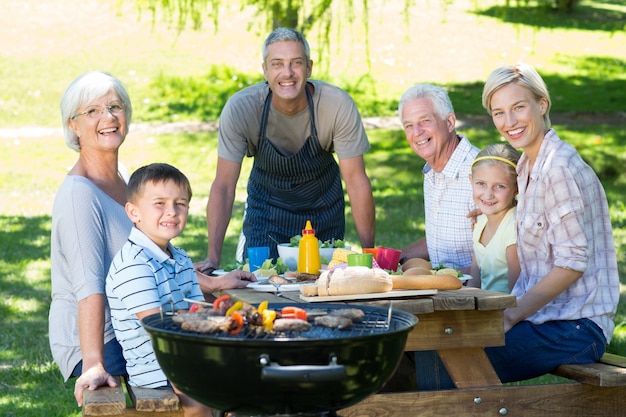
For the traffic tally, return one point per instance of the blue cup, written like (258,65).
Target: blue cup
(256,256)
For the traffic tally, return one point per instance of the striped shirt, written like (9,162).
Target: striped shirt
(563,220)
(447,200)
(143,277)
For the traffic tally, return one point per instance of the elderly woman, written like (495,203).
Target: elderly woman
(89,226)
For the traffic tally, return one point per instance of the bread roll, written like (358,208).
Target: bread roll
(426,282)
(447,271)
(354,280)
(309,289)
(416,262)
(417,271)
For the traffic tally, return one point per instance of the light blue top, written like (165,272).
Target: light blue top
(491,258)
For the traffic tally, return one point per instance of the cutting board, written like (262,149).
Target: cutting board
(370,296)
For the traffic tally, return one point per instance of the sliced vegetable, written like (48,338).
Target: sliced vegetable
(268,318)
(293,312)
(237,306)
(219,300)
(238,322)
(194,308)
(263,306)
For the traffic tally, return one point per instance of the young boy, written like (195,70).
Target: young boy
(149,271)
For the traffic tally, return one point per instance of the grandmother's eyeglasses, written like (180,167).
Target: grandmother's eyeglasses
(96,112)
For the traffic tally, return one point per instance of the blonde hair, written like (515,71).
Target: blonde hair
(523,75)
(499,153)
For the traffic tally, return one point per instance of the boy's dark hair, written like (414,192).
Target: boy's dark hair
(156,172)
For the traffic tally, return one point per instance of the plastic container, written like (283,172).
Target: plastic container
(309,251)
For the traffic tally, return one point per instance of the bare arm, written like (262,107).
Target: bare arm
(359,192)
(417,249)
(234,279)
(475,273)
(550,286)
(90,332)
(219,209)
(513,263)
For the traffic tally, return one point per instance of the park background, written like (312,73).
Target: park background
(179,79)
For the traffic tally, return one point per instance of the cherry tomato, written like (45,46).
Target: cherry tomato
(292,312)
(219,300)
(194,308)
(237,320)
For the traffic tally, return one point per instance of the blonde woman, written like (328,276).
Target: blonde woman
(568,287)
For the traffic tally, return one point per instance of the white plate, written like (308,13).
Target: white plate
(264,286)
(219,272)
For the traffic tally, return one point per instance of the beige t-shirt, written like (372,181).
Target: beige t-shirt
(337,120)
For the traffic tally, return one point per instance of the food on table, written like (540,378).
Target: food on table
(426,282)
(416,263)
(309,289)
(448,271)
(417,271)
(303,276)
(278,280)
(340,256)
(353,280)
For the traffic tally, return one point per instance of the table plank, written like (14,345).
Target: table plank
(457,329)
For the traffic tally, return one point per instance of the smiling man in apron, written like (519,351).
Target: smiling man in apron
(291,125)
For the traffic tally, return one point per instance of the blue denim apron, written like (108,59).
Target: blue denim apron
(286,191)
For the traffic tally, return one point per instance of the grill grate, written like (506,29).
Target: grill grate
(374,322)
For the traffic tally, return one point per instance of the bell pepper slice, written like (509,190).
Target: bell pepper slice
(237,306)
(237,320)
(293,312)
(219,300)
(263,306)
(194,308)
(268,317)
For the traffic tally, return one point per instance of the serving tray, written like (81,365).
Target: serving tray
(370,296)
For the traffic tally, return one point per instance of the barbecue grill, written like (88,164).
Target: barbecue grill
(312,373)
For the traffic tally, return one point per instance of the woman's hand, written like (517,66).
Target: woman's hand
(92,378)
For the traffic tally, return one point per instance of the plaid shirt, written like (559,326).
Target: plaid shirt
(447,200)
(563,220)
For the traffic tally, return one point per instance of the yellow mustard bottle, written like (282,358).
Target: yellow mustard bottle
(309,251)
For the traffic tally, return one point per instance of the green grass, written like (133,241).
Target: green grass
(188,76)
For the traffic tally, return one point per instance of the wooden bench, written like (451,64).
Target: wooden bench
(107,401)
(596,390)
(610,371)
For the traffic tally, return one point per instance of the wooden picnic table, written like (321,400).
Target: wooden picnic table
(459,324)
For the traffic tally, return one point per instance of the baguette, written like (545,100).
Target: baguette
(354,280)
(426,282)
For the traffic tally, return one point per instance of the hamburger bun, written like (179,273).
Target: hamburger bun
(416,262)
(426,282)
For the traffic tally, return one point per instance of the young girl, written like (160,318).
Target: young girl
(495,265)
